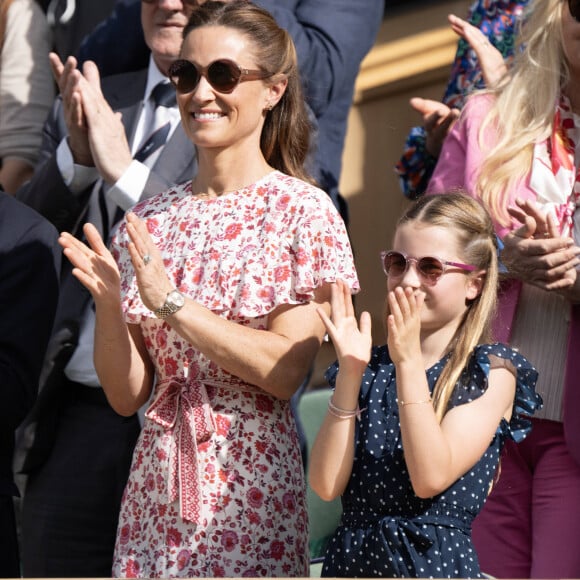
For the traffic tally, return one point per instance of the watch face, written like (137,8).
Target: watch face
(175,298)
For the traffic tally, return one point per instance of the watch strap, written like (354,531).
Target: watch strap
(166,310)
(169,307)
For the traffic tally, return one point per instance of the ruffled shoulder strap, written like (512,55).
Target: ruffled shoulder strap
(475,380)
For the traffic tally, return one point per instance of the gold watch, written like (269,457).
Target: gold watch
(174,302)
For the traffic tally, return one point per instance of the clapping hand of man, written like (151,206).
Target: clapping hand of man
(96,132)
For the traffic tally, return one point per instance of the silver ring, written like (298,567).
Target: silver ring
(146,259)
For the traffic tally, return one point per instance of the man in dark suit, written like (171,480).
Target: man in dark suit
(29,271)
(93,167)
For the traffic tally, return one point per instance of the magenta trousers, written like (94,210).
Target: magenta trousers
(530,525)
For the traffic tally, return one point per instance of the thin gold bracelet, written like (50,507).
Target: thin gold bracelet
(424,401)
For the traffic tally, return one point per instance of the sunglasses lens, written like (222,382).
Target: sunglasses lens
(184,76)
(395,264)
(223,76)
(431,268)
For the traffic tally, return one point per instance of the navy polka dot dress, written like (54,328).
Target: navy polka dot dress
(386,530)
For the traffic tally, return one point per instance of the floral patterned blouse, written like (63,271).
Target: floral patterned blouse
(217,486)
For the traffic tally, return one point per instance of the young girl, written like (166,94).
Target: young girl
(435,404)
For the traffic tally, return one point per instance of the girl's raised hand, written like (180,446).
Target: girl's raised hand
(404,324)
(352,342)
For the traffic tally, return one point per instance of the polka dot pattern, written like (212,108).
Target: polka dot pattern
(386,530)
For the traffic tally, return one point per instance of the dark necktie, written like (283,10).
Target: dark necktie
(163,95)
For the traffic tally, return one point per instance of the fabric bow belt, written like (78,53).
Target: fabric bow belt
(183,406)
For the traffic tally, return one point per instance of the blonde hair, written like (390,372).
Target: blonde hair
(524,105)
(473,227)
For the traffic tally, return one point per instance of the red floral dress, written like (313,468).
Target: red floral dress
(217,486)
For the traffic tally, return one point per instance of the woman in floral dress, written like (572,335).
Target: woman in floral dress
(208,310)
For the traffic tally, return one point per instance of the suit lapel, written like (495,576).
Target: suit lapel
(178,159)
(125,95)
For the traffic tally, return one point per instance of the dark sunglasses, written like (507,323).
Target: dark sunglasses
(395,264)
(223,75)
(574,6)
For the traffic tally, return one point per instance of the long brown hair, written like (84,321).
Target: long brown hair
(285,138)
(473,226)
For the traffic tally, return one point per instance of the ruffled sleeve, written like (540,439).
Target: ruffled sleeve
(475,382)
(319,249)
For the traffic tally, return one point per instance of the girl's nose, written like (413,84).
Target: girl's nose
(411,277)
